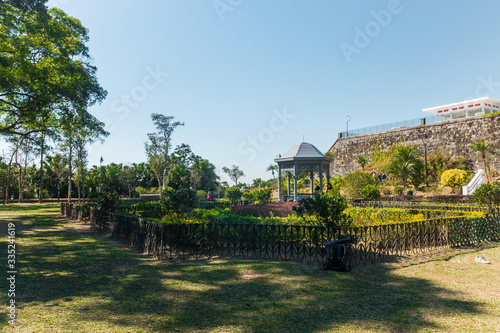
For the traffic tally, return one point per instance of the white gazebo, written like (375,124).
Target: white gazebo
(469,108)
(303,157)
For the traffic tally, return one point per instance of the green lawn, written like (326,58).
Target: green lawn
(74,280)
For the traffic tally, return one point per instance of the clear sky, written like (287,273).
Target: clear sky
(251,78)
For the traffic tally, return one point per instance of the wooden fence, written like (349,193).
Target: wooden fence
(285,242)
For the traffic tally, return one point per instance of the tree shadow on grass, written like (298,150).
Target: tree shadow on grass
(28,207)
(301,299)
(125,289)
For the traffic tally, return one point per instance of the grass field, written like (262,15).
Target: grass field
(71,279)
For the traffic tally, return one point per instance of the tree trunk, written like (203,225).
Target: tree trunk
(83,191)
(19,180)
(79,198)
(70,169)
(7,184)
(164,180)
(40,195)
(58,188)
(23,178)
(7,181)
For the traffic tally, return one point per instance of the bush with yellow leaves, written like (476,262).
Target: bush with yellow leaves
(453,177)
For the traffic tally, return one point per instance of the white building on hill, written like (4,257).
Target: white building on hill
(470,108)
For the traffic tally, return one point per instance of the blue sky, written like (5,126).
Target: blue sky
(251,78)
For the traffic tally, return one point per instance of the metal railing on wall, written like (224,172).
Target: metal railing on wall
(285,242)
(389,126)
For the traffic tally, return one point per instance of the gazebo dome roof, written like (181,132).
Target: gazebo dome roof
(303,151)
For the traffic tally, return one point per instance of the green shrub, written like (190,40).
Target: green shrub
(140,190)
(178,201)
(328,208)
(370,192)
(380,156)
(259,195)
(398,190)
(356,181)
(201,195)
(337,182)
(453,177)
(152,190)
(386,190)
(367,216)
(437,164)
(108,201)
(462,163)
(488,194)
(492,114)
(233,194)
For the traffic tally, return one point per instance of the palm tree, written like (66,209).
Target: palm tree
(406,164)
(234,173)
(484,150)
(362,161)
(272,168)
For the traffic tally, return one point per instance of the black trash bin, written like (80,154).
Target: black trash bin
(338,255)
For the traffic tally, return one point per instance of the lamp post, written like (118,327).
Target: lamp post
(100,174)
(348,120)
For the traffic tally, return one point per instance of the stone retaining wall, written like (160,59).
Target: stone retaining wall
(452,138)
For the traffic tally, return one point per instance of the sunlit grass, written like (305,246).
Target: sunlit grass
(74,280)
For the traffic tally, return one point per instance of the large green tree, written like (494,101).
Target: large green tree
(29,5)
(188,169)
(203,174)
(44,64)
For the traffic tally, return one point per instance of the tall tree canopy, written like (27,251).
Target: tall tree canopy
(234,173)
(157,149)
(29,5)
(44,67)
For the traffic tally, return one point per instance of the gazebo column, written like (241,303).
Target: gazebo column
(295,177)
(294,188)
(328,175)
(288,187)
(321,177)
(311,176)
(279,183)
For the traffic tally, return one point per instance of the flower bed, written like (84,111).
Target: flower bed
(278,209)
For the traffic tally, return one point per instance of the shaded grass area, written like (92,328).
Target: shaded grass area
(71,279)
